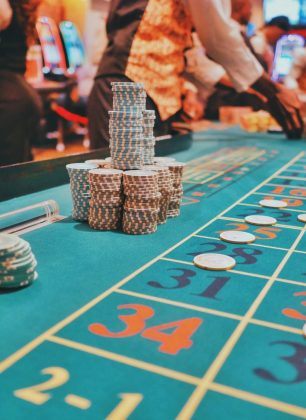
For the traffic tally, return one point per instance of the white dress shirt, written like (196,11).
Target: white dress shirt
(223,41)
(261,47)
(200,68)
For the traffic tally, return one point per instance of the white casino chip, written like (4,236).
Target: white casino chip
(214,262)
(273,204)
(260,220)
(237,237)
(302,217)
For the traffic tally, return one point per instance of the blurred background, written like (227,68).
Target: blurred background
(70,41)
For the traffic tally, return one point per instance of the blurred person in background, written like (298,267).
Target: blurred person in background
(19,103)
(264,41)
(296,78)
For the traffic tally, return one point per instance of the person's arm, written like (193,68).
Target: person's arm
(5,14)
(205,71)
(223,41)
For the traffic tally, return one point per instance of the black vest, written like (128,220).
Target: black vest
(13,48)
(123,21)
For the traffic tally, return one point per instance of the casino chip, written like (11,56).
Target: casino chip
(214,262)
(273,204)
(17,262)
(237,237)
(102,163)
(260,220)
(302,217)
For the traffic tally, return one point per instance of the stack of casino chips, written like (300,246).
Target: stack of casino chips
(126,125)
(165,187)
(80,191)
(17,262)
(148,137)
(141,206)
(176,169)
(105,212)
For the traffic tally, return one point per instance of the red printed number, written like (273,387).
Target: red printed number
(172,342)
(176,340)
(293,313)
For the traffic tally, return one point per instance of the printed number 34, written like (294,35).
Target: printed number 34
(171,343)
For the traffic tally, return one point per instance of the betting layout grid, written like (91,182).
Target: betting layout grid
(259,336)
(207,175)
(130,191)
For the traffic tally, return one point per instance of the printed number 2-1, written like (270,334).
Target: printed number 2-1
(35,395)
(59,376)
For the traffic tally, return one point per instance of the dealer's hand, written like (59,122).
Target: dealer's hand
(283,105)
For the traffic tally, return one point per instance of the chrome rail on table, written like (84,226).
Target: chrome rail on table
(29,218)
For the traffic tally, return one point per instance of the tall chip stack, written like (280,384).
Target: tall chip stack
(131,190)
(105,212)
(126,125)
(141,206)
(165,186)
(148,137)
(176,169)
(80,190)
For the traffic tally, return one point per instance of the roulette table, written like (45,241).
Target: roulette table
(121,326)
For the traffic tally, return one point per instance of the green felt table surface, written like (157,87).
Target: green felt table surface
(244,356)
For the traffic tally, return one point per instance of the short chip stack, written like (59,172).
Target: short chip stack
(141,206)
(17,262)
(176,169)
(148,137)
(126,125)
(105,212)
(165,188)
(80,191)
